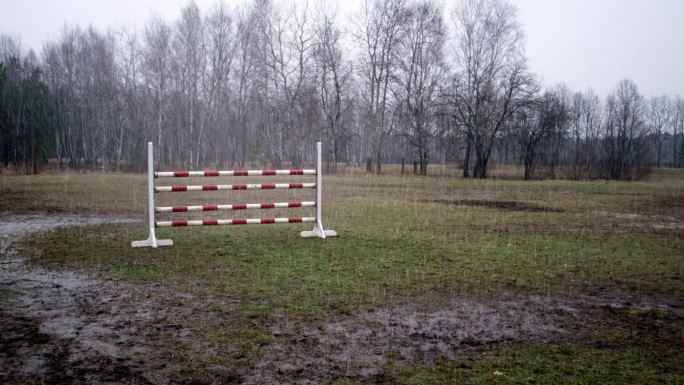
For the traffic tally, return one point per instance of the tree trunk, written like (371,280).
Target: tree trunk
(243,139)
(674,148)
(480,170)
(34,160)
(556,156)
(378,160)
(681,146)
(529,162)
(328,163)
(466,160)
(481,157)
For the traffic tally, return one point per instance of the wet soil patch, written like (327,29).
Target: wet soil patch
(63,327)
(360,346)
(640,223)
(18,201)
(66,327)
(60,327)
(672,206)
(505,205)
(17,332)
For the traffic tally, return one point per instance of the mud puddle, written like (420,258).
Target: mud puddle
(61,327)
(505,205)
(360,346)
(665,224)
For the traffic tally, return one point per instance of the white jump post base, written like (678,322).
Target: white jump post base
(152,240)
(318,231)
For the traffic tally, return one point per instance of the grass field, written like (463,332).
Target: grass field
(418,241)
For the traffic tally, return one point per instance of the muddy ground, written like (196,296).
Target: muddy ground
(63,327)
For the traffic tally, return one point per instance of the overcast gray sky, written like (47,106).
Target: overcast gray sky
(584,43)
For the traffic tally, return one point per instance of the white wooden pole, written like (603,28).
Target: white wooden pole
(151,240)
(318,230)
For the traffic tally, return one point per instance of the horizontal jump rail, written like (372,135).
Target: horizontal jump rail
(258,186)
(209,173)
(236,221)
(154,242)
(277,205)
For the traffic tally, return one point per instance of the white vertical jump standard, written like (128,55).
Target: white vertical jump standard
(318,230)
(152,240)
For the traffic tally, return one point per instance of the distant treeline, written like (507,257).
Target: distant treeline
(408,82)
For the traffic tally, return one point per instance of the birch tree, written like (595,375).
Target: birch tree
(156,63)
(189,52)
(247,84)
(220,58)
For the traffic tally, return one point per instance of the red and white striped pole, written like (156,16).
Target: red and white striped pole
(151,240)
(216,187)
(318,230)
(234,221)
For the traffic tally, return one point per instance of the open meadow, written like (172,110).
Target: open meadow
(432,280)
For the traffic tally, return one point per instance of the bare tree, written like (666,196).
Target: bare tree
(625,131)
(420,71)
(335,75)
(659,119)
(575,117)
(61,76)
(491,81)
(132,103)
(220,58)
(10,47)
(156,62)
(563,95)
(586,119)
(287,54)
(247,66)
(189,70)
(678,132)
(255,82)
(379,32)
(541,118)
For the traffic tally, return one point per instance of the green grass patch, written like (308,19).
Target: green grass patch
(389,250)
(534,363)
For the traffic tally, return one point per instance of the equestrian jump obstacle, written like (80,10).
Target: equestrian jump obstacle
(152,241)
